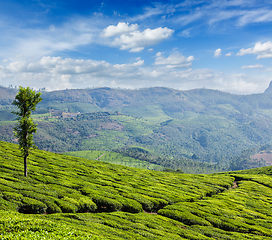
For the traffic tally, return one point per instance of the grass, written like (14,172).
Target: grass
(115,158)
(106,140)
(152,113)
(4,123)
(68,197)
(135,126)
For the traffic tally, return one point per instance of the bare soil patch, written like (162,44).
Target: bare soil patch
(235,185)
(267,157)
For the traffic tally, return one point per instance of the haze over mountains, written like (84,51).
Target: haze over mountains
(269,89)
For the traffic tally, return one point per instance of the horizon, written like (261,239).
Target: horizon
(221,45)
(132,89)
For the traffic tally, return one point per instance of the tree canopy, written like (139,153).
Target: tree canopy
(26,100)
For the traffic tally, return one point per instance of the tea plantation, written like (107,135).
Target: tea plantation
(66,197)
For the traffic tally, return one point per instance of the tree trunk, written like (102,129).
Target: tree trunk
(25,164)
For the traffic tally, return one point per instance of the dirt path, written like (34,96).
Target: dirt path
(235,185)
(101,156)
(150,212)
(148,166)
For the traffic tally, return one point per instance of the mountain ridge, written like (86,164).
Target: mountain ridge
(204,124)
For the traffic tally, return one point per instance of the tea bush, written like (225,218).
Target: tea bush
(95,200)
(33,206)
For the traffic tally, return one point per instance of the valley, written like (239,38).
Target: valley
(112,166)
(200,125)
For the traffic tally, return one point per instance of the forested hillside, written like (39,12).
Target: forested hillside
(203,125)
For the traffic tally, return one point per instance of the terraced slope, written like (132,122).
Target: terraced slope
(75,198)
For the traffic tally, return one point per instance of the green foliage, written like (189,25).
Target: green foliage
(67,205)
(116,158)
(30,205)
(106,204)
(178,206)
(244,161)
(234,210)
(169,164)
(204,125)
(26,100)
(86,205)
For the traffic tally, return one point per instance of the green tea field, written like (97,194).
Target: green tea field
(66,197)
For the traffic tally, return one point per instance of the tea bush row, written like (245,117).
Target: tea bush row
(62,182)
(246,209)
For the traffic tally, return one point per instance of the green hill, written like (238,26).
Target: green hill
(201,124)
(66,197)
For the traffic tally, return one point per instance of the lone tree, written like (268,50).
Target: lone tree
(26,100)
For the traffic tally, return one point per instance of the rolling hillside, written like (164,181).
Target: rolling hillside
(204,125)
(65,197)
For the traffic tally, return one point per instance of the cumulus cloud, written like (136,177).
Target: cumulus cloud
(174,60)
(120,29)
(75,68)
(252,66)
(18,66)
(56,73)
(262,50)
(217,53)
(228,54)
(129,38)
(69,66)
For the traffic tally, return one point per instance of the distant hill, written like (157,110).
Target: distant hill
(7,95)
(201,124)
(269,89)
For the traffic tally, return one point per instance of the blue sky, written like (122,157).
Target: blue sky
(225,45)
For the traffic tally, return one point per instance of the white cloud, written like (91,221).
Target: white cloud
(120,29)
(237,13)
(19,66)
(185,33)
(228,54)
(174,60)
(149,12)
(26,42)
(255,16)
(56,73)
(217,53)
(262,50)
(137,49)
(133,40)
(60,73)
(239,84)
(58,65)
(158,54)
(252,66)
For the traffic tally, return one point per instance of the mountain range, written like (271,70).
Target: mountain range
(203,125)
